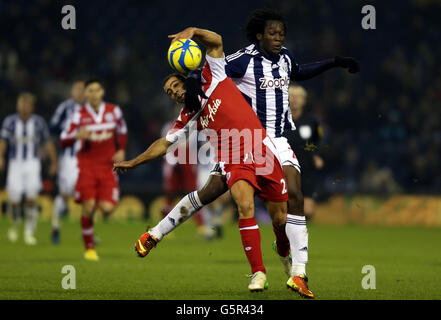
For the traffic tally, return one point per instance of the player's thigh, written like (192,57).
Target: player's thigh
(86,187)
(32,177)
(106,206)
(213,188)
(293,181)
(15,182)
(67,176)
(108,189)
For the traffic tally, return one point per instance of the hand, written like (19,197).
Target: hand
(53,168)
(83,134)
(349,63)
(318,162)
(119,156)
(123,166)
(185,34)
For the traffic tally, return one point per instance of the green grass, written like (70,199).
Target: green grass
(184,266)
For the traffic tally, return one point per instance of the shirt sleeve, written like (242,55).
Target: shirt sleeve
(67,137)
(180,127)
(121,129)
(6,131)
(57,118)
(214,69)
(44,130)
(237,64)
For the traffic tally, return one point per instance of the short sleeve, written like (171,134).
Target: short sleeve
(6,129)
(214,69)
(237,64)
(180,127)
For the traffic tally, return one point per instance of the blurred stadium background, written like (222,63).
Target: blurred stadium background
(382,127)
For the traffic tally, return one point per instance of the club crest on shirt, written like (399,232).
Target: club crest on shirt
(109,117)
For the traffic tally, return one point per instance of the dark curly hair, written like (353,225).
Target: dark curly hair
(257,21)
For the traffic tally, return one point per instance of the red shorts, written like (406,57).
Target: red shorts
(97,183)
(267,178)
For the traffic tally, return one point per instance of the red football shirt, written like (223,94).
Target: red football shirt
(225,116)
(108,134)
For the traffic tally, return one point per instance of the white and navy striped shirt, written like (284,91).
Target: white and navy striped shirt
(24,138)
(264,83)
(60,120)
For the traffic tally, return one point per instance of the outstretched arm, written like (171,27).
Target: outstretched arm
(310,70)
(156,150)
(211,40)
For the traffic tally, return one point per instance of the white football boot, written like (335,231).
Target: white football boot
(258,282)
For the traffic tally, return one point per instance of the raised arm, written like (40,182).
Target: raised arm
(157,149)
(310,70)
(211,40)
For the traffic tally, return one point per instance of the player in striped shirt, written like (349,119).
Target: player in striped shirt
(23,133)
(68,169)
(262,71)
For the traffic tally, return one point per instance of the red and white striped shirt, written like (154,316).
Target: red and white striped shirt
(108,133)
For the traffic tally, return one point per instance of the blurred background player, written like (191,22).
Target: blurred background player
(23,133)
(101,128)
(68,170)
(305,141)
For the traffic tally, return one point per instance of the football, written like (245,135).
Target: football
(184,55)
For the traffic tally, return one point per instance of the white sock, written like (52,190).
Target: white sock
(297,234)
(59,207)
(31,213)
(185,208)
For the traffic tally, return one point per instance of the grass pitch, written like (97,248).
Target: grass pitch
(184,266)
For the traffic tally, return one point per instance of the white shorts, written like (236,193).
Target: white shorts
(24,178)
(67,174)
(286,154)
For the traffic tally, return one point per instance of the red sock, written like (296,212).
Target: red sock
(87,226)
(249,231)
(281,241)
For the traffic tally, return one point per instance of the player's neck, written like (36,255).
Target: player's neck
(25,118)
(95,106)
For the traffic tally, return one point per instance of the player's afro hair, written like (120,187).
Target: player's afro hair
(257,21)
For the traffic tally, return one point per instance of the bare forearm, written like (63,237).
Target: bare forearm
(209,38)
(156,150)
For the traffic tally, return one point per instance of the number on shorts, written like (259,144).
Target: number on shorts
(284,190)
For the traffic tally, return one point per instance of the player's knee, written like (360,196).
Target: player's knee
(89,207)
(245,208)
(106,207)
(214,188)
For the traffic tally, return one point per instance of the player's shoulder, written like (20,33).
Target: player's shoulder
(37,118)
(285,52)
(244,54)
(11,118)
(113,108)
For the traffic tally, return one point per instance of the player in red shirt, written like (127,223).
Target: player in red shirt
(247,156)
(103,133)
